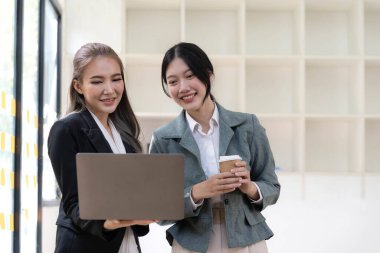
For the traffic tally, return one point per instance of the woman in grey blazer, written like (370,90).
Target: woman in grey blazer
(222,209)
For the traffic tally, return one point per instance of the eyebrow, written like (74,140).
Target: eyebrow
(175,75)
(114,75)
(170,76)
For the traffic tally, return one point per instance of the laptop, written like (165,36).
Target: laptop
(130,186)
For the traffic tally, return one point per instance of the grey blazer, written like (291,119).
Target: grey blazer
(240,134)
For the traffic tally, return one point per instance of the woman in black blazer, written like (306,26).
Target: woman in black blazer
(100,120)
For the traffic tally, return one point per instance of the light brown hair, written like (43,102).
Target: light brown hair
(123,117)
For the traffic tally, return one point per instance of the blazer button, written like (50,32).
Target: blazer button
(226,201)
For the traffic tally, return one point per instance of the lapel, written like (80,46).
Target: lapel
(225,133)
(188,142)
(228,120)
(94,133)
(179,129)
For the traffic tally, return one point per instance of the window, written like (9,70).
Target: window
(7,126)
(51,94)
(29,98)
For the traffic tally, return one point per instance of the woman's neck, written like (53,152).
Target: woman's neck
(204,114)
(106,126)
(103,118)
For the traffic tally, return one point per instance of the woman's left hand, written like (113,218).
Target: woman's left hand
(247,186)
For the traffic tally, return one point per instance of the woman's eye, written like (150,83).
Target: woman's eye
(96,82)
(117,79)
(173,82)
(189,76)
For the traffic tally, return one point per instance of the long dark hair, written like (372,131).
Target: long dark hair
(195,58)
(123,117)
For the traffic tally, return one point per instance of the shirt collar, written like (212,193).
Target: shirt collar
(194,125)
(114,139)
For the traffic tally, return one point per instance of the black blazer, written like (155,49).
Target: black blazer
(79,133)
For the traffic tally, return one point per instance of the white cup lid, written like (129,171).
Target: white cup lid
(229,158)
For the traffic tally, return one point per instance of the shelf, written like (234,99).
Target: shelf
(270,22)
(332,27)
(141,59)
(372,145)
(332,60)
(99,22)
(331,145)
(332,86)
(270,116)
(272,86)
(331,116)
(148,4)
(372,58)
(148,125)
(143,84)
(372,116)
(270,5)
(150,122)
(372,87)
(284,138)
(271,58)
(214,4)
(221,35)
(371,27)
(147,25)
(152,116)
(227,82)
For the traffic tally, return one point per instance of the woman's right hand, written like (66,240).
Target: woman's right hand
(115,224)
(216,185)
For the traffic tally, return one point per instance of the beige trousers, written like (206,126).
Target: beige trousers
(218,243)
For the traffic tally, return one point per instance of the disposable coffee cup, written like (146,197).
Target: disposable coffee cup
(226,163)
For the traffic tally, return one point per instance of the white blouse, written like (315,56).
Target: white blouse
(128,245)
(208,144)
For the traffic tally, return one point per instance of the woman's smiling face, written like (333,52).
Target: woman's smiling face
(184,87)
(102,86)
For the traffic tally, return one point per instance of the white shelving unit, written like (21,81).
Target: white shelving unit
(273,85)
(228,80)
(372,147)
(371,24)
(273,27)
(333,28)
(309,69)
(214,25)
(333,86)
(372,87)
(331,145)
(151,21)
(285,141)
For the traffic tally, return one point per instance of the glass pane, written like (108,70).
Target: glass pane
(29,152)
(49,189)
(7,126)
